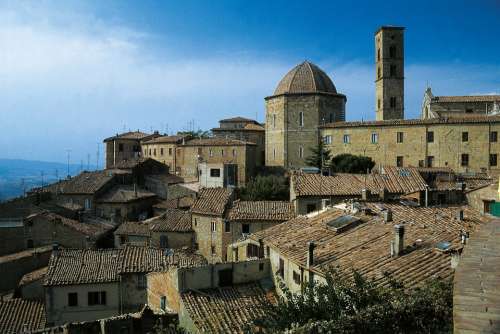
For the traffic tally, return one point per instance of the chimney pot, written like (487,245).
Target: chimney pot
(399,232)
(460,215)
(388,215)
(310,253)
(365,194)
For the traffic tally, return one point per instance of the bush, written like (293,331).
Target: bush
(266,188)
(358,305)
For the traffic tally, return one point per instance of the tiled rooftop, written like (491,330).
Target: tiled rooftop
(164,140)
(212,201)
(128,135)
(89,228)
(216,141)
(262,210)
(175,203)
(396,180)
(365,247)
(82,266)
(173,220)
(237,119)
(33,276)
(470,98)
(124,194)
(133,228)
(85,183)
(19,315)
(228,309)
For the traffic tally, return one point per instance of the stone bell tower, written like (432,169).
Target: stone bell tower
(389,73)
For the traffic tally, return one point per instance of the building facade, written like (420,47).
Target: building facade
(125,146)
(304,99)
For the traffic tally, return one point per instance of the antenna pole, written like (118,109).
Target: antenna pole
(68,155)
(97,158)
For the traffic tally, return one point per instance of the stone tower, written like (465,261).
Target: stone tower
(389,73)
(303,100)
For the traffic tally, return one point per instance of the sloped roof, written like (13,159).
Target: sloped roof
(366,246)
(164,140)
(33,276)
(17,315)
(124,194)
(466,98)
(238,119)
(137,135)
(216,141)
(398,180)
(85,182)
(172,220)
(212,201)
(262,210)
(305,78)
(227,309)
(175,203)
(84,266)
(133,228)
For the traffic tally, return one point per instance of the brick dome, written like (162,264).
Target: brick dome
(305,78)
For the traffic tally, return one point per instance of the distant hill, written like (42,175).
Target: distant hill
(16,174)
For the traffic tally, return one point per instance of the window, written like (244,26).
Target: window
(378,54)
(310,207)
(154,152)
(281,268)
(400,137)
(465,136)
(87,204)
(301,118)
(252,250)
(163,241)
(123,239)
(274,121)
(374,138)
(301,152)
(493,159)
(493,136)
(393,102)
(163,303)
(200,151)
(268,251)
(161,151)
(261,266)
(214,172)
(210,152)
(331,118)
(274,153)
(430,137)
(430,161)
(29,243)
(96,298)
(392,70)
(378,104)
(469,111)
(465,160)
(214,226)
(296,277)
(149,151)
(170,151)
(222,152)
(227,226)
(234,152)
(347,139)
(245,228)
(72,299)
(196,222)
(399,161)
(392,51)
(212,248)
(141,281)
(120,147)
(379,73)
(327,140)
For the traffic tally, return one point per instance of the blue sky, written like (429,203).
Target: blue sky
(75,72)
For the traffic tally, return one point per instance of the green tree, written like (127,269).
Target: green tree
(358,305)
(348,163)
(320,157)
(268,187)
(196,134)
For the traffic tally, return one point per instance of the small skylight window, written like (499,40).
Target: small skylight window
(404,172)
(443,245)
(343,223)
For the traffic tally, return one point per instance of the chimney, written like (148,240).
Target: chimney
(460,215)
(388,216)
(383,194)
(365,194)
(310,253)
(397,245)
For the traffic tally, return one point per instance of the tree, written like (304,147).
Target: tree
(358,305)
(269,187)
(315,159)
(348,163)
(195,134)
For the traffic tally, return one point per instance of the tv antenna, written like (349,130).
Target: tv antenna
(68,152)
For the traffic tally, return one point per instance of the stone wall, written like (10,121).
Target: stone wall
(206,238)
(162,152)
(174,239)
(133,296)
(12,237)
(446,149)
(131,150)
(479,198)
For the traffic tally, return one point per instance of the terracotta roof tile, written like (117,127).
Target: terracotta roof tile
(365,247)
(85,183)
(305,78)
(465,98)
(175,203)
(133,228)
(212,201)
(19,315)
(216,141)
(124,194)
(429,121)
(238,119)
(33,276)
(165,140)
(88,228)
(83,266)
(262,210)
(173,220)
(228,309)
(128,135)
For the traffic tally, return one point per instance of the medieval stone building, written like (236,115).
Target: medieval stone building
(303,100)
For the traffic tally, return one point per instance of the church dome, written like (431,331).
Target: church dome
(305,78)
